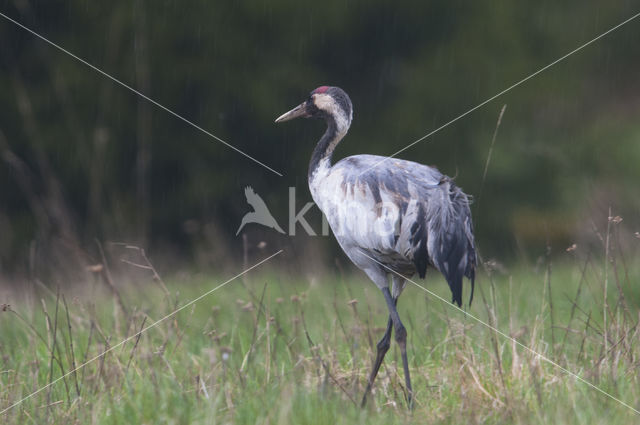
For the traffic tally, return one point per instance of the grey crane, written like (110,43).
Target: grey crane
(393,218)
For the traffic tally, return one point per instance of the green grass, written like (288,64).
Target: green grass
(232,358)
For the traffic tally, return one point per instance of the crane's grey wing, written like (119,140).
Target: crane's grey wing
(372,198)
(433,224)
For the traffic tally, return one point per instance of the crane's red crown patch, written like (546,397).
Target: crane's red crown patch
(321,89)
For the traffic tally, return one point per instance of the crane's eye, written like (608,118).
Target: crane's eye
(312,109)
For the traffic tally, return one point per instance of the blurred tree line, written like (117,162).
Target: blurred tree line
(84,159)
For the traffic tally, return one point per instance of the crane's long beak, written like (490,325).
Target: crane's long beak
(298,111)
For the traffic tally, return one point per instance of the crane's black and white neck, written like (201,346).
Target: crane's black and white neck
(392,218)
(334,106)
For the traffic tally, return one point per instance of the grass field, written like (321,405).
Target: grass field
(242,354)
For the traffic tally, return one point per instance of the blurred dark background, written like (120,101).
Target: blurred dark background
(83,159)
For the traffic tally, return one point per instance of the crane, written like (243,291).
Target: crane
(393,218)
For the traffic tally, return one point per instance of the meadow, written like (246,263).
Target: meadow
(273,348)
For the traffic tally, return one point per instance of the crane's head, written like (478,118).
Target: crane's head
(324,102)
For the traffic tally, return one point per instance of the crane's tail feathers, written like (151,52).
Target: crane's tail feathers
(450,240)
(455,275)
(472,278)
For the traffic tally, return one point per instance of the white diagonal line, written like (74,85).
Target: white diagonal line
(510,338)
(577,49)
(141,331)
(142,95)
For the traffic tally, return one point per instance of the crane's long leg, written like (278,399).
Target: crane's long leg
(401,339)
(382,348)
